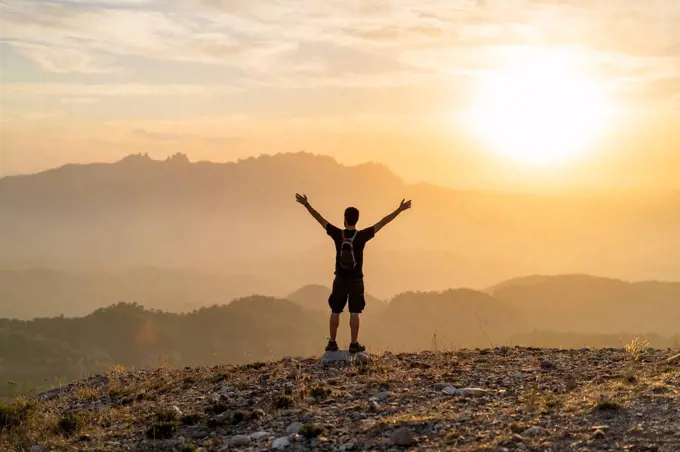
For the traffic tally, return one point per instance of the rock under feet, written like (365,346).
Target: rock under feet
(344,357)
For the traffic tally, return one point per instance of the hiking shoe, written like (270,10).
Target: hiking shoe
(356,347)
(332,346)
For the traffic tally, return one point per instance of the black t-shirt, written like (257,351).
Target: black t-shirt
(360,241)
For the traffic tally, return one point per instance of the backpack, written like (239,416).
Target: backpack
(347,259)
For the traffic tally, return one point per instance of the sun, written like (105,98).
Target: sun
(538,111)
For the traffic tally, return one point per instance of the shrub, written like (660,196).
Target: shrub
(13,414)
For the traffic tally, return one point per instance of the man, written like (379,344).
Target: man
(349,259)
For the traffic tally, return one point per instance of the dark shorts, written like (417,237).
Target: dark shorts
(345,290)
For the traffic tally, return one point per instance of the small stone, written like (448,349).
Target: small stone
(293,428)
(197,432)
(636,431)
(546,364)
(368,423)
(280,443)
(402,437)
(449,390)
(310,399)
(240,440)
(471,392)
(297,437)
(381,396)
(316,441)
(534,431)
(259,435)
(441,386)
(257,413)
(175,409)
(598,434)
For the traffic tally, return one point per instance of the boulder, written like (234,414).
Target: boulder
(344,357)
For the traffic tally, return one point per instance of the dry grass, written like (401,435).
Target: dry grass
(636,348)
(137,403)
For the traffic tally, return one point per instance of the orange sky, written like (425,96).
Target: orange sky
(359,80)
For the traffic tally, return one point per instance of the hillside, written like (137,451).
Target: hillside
(585,304)
(490,399)
(240,218)
(38,353)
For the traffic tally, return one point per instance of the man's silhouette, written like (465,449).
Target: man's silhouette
(348,285)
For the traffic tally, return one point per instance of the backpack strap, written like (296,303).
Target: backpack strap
(347,239)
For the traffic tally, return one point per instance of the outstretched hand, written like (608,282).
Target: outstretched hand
(405,205)
(302,199)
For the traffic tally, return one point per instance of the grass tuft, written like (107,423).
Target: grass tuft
(607,404)
(70,424)
(190,419)
(320,391)
(161,430)
(636,348)
(283,402)
(310,431)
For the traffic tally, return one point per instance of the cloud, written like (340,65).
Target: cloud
(332,42)
(169,136)
(65,60)
(143,29)
(111,90)
(78,100)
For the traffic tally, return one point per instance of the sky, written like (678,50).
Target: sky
(360,80)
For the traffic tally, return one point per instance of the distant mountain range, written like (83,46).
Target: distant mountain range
(241,219)
(581,304)
(588,305)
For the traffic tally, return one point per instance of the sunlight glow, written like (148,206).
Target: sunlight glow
(539,112)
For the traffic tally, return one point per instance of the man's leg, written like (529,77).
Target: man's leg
(354,326)
(336,302)
(357,303)
(334,324)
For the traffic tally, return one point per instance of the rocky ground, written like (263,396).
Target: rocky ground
(495,399)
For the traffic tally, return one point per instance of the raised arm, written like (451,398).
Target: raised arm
(405,205)
(302,199)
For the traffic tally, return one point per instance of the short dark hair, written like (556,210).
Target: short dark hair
(351,216)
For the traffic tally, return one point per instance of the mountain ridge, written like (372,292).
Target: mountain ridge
(241,217)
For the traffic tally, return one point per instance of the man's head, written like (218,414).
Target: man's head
(351,217)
